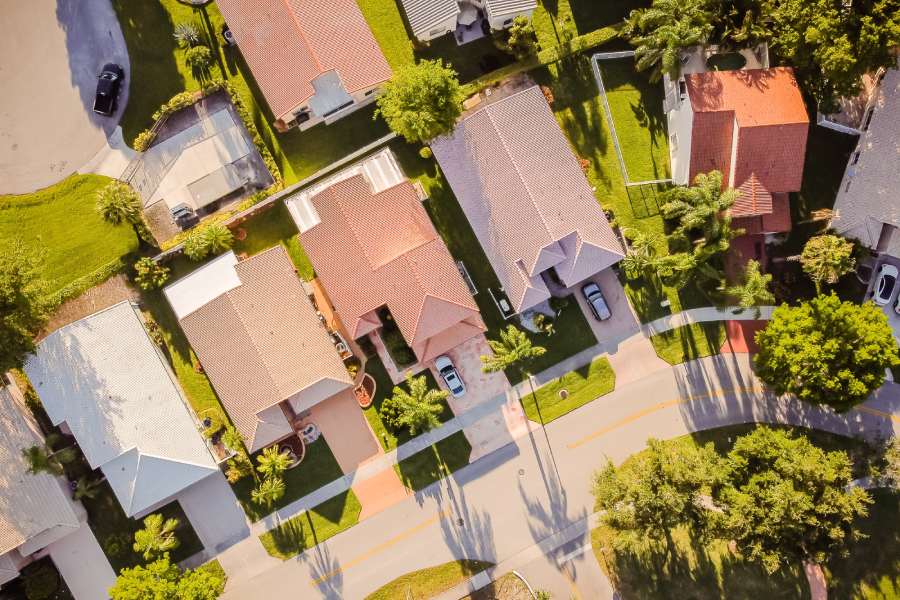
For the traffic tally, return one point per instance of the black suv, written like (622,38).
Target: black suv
(108,84)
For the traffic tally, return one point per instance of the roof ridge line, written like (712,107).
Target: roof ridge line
(300,30)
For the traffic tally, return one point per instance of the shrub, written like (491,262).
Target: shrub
(521,40)
(198,57)
(578,44)
(186,34)
(149,274)
(214,238)
(143,140)
(41,581)
(425,152)
(117,544)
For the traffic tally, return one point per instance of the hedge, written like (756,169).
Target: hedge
(578,44)
(86,282)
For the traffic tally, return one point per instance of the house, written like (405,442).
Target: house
(750,124)
(533,212)
(314,61)
(373,246)
(259,340)
(103,380)
(867,207)
(430,19)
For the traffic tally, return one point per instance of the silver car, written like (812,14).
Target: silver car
(450,375)
(595,298)
(884,285)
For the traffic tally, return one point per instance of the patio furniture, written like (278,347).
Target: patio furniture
(295,447)
(309,433)
(365,391)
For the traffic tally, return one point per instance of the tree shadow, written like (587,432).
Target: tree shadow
(326,571)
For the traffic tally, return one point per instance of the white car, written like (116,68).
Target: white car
(884,285)
(450,375)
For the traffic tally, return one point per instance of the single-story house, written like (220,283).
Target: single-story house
(259,340)
(430,19)
(501,13)
(867,207)
(750,124)
(533,212)
(373,245)
(314,61)
(104,380)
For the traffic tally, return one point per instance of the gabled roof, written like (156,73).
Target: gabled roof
(498,8)
(108,382)
(289,43)
(29,504)
(422,15)
(260,342)
(372,249)
(757,97)
(523,191)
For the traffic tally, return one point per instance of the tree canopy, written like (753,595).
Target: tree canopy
(161,580)
(827,258)
(513,348)
(24,307)
(422,101)
(417,408)
(826,351)
(700,207)
(119,204)
(157,537)
(752,291)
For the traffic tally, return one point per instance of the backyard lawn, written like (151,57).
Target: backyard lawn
(61,222)
(689,342)
(433,464)
(430,582)
(317,468)
(560,20)
(270,227)
(694,569)
(384,388)
(312,527)
(581,386)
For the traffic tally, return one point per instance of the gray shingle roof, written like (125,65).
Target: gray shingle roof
(424,14)
(498,8)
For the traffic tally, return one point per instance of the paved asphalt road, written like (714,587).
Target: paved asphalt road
(50,54)
(509,500)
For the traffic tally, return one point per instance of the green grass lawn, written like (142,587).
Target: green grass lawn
(573,334)
(389,27)
(430,582)
(695,569)
(312,527)
(433,464)
(275,226)
(317,468)
(558,20)
(689,342)
(61,222)
(582,385)
(384,389)
(471,60)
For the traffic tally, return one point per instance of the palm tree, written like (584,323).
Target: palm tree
(42,458)
(272,462)
(659,32)
(827,258)
(419,408)
(753,289)
(268,492)
(86,488)
(157,537)
(218,238)
(118,203)
(702,206)
(513,349)
(641,252)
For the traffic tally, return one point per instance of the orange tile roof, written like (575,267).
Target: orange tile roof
(754,199)
(288,43)
(757,97)
(371,250)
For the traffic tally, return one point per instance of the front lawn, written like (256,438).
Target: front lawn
(573,334)
(689,342)
(317,468)
(61,222)
(312,527)
(430,582)
(389,27)
(384,389)
(270,227)
(693,568)
(581,386)
(433,464)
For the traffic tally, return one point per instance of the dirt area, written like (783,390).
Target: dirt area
(508,587)
(112,291)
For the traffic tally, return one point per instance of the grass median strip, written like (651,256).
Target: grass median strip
(429,582)
(312,527)
(689,342)
(575,388)
(432,464)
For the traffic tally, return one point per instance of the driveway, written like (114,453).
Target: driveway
(892,316)
(622,324)
(82,564)
(214,513)
(50,55)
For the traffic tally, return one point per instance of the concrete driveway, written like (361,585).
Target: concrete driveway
(50,54)
(622,324)
(213,510)
(82,564)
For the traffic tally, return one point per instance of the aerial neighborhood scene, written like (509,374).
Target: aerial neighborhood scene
(450,299)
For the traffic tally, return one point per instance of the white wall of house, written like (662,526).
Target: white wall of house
(361,98)
(680,119)
(446,26)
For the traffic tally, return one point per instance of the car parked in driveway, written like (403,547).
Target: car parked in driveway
(884,285)
(109,82)
(597,302)
(450,375)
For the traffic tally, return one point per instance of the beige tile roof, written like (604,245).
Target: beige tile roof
(29,504)
(261,342)
(288,43)
(375,249)
(868,196)
(525,196)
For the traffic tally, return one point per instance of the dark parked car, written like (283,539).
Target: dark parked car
(108,84)
(595,298)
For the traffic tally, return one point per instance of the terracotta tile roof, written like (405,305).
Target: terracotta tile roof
(261,342)
(772,127)
(288,43)
(777,221)
(525,196)
(754,199)
(375,249)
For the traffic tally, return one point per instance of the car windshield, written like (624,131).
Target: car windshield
(887,283)
(108,75)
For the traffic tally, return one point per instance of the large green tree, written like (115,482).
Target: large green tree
(422,101)
(827,258)
(826,351)
(752,290)
(701,207)
(42,458)
(658,489)
(416,408)
(24,307)
(786,501)
(514,348)
(161,580)
(660,32)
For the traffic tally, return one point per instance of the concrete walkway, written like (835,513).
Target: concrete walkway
(705,315)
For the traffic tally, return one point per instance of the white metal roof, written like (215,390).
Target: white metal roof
(110,384)
(425,14)
(203,285)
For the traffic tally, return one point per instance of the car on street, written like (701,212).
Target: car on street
(109,82)
(884,285)
(450,375)
(597,302)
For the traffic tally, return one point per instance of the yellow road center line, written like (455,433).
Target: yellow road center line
(382,547)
